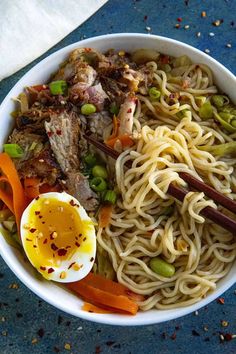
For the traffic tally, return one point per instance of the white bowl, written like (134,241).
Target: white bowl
(49,291)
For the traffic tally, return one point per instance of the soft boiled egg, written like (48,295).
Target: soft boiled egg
(58,237)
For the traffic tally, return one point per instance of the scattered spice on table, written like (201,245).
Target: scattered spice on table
(206,328)
(196,313)
(19,315)
(228,45)
(224,323)
(195,333)
(186,27)
(98,349)
(56,349)
(67,346)
(217,23)
(34,341)
(173,336)
(13,286)
(207,51)
(177,25)
(227,337)
(40,332)
(110,343)
(203,14)
(211,34)
(198,34)
(148,28)
(179,19)
(4,333)
(221,300)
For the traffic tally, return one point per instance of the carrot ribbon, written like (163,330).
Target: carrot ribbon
(105,294)
(15,200)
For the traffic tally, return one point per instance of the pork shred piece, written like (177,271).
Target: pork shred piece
(126,115)
(63,132)
(78,185)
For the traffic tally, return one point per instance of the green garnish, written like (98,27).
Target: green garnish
(58,87)
(109,196)
(90,160)
(99,171)
(114,109)
(13,150)
(88,108)
(219,100)
(154,93)
(206,110)
(98,184)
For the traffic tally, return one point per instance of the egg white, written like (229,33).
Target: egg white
(82,260)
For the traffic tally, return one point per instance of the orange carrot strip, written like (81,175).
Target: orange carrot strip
(126,141)
(105,215)
(95,309)
(98,281)
(19,201)
(97,296)
(31,186)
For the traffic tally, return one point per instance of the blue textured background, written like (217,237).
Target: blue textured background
(29,325)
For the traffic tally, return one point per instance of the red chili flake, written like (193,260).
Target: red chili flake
(195,333)
(34,246)
(40,332)
(45,241)
(37,212)
(40,216)
(97,349)
(228,336)
(87,50)
(58,132)
(91,259)
(71,265)
(84,239)
(129,110)
(165,59)
(43,222)
(72,203)
(43,268)
(76,237)
(67,247)
(145,18)
(179,19)
(32,230)
(80,235)
(54,247)
(37,198)
(49,134)
(62,252)
(77,244)
(221,300)
(110,343)
(173,336)
(28,239)
(51,270)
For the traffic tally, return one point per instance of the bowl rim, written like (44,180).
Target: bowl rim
(113,319)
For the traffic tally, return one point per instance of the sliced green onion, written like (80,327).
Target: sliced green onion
(161,267)
(219,100)
(13,150)
(225,124)
(88,109)
(114,109)
(233,122)
(99,171)
(110,196)
(10,225)
(58,87)
(90,160)
(98,184)
(220,149)
(228,117)
(183,60)
(206,110)
(200,100)
(154,93)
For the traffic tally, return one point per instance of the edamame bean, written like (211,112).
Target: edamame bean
(161,267)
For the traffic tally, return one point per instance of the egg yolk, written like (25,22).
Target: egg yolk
(55,232)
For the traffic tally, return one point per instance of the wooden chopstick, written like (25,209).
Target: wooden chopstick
(226,202)
(178,193)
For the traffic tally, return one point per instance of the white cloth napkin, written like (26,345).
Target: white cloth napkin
(28,28)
